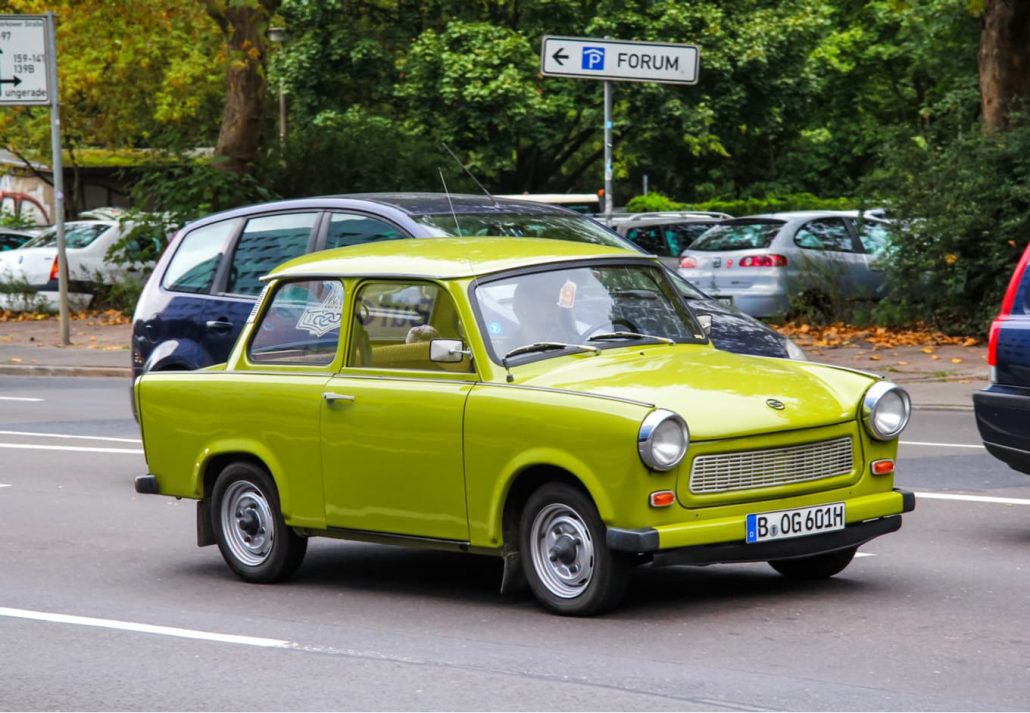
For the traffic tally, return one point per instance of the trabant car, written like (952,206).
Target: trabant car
(554,404)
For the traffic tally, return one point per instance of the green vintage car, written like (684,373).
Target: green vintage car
(554,404)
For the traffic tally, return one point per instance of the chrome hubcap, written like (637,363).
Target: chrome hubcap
(247,523)
(562,550)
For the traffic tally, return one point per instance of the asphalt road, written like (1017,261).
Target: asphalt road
(106,603)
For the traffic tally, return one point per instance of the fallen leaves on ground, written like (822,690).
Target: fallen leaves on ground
(92,318)
(840,334)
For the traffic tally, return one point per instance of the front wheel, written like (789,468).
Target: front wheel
(566,560)
(817,566)
(253,538)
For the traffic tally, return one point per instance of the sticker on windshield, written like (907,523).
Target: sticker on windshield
(495,328)
(567,296)
(324,317)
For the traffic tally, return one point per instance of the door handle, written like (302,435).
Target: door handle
(331,397)
(219,326)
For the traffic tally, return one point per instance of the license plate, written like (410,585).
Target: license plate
(782,524)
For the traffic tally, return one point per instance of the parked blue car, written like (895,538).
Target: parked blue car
(1003,408)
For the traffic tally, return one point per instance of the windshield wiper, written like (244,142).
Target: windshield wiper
(629,335)
(548,346)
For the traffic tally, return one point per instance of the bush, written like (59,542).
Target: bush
(968,202)
(653,202)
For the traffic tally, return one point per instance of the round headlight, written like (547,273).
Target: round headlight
(663,440)
(886,410)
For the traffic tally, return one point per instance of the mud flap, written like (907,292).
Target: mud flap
(205,532)
(513,581)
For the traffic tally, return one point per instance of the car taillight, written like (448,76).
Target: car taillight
(1006,307)
(688,262)
(55,270)
(763,261)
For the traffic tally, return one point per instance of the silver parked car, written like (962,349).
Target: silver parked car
(764,264)
(665,234)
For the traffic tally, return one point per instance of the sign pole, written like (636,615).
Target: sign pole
(58,168)
(608,202)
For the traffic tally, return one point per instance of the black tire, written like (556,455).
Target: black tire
(248,524)
(567,563)
(821,566)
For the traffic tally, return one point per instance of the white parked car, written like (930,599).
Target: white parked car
(33,266)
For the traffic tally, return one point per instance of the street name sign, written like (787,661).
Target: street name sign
(619,60)
(23,60)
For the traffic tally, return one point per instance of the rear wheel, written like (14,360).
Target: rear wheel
(567,562)
(816,567)
(253,538)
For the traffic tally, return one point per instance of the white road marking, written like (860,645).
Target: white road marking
(17,398)
(78,449)
(5,485)
(865,554)
(940,445)
(973,498)
(66,435)
(146,628)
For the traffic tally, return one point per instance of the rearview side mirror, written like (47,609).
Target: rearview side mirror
(447,351)
(705,320)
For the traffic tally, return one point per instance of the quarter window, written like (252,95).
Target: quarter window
(194,264)
(347,229)
(394,323)
(874,236)
(266,242)
(301,325)
(829,234)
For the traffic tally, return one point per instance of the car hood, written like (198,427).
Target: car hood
(719,394)
(734,331)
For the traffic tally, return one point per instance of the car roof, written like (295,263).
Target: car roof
(799,215)
(444,258)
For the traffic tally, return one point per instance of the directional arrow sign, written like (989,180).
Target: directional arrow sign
(23,60)
(619,60)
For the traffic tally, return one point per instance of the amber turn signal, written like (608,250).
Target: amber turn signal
(662,498)
(882,467)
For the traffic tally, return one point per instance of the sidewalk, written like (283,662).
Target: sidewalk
(937,377)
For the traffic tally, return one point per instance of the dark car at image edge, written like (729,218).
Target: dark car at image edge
(206,283)
(1003,408)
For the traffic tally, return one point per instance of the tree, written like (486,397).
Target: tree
(1004,60)
(244,24)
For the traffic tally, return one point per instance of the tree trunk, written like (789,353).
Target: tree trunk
(1004,60)
(245,26)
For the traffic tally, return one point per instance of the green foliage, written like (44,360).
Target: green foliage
(18,222)
(968,198)
(743,206)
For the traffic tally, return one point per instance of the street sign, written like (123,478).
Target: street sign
(23,60)
(619,60)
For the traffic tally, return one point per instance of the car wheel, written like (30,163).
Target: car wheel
(249,528)
(816,567)
(568,565)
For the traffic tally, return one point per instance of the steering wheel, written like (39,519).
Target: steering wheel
(630,327)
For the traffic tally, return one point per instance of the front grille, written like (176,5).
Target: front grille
(776,466)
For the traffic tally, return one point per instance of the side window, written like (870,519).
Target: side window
(266,242)
(394,323)
(347,229)
(195,262)
(826,234)
(301,325)
(874,236)
(650,238)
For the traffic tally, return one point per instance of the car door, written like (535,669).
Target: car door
(392,419)
(874,236)
(828,258)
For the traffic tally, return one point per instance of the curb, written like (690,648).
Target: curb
(39,370)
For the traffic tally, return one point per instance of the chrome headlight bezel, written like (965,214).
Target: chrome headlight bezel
(874,399)
(645,439)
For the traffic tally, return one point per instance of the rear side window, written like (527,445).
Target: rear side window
(650,238)
(738,236)
(194,264)
(347,229)
(301,326)
(873,236)
(266,242)
(831,234)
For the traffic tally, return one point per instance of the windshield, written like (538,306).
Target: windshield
(738,236)
(578,229)
(75,236)
(600,306)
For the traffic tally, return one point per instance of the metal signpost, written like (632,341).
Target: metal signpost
(621,61)
(28,77)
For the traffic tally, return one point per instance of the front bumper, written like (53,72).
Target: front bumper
(650,541)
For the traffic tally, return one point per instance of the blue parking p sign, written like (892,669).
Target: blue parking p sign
(593,58)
